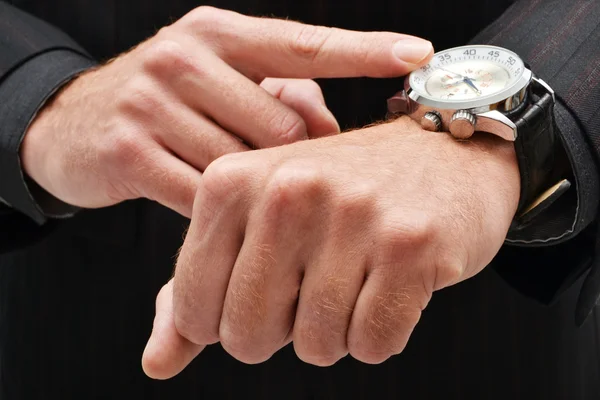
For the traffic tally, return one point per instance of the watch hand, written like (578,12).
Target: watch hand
(457,74)
(452,72)
(470,83)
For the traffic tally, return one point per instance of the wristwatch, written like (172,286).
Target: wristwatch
(474,88)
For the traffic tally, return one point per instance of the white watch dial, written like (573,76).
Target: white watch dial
(467,73)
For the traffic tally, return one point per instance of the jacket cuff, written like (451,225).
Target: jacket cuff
(561,242)
(574,211)
(28,88)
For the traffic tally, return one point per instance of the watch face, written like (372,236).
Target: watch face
(469,76)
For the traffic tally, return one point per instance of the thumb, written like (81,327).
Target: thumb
(167,353)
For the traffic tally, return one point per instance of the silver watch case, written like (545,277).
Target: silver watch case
(489,114)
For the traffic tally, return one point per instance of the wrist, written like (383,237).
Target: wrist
(498,168)
(33,158)
(38,167)
(492,159)
(40,155)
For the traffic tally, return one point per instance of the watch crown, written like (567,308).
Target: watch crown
(432,121)
(462,124)
(399,103)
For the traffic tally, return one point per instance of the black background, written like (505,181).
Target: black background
(76,310)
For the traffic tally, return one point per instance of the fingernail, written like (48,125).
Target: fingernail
(329,115)
(412,51)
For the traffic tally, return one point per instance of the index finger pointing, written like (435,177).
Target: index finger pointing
(261,47)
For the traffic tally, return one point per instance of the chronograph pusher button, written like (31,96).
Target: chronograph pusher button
(462,124)
(431,121)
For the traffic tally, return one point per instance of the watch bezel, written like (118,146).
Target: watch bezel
(506,99)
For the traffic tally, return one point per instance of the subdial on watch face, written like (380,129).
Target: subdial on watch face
(484,78)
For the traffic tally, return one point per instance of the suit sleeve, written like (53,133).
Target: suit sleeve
(36,60)
(560,41)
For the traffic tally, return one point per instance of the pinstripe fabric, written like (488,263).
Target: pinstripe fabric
(77,304)
(567,56)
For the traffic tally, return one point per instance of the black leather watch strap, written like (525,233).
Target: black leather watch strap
(542,165)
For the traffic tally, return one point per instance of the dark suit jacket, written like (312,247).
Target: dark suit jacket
(77,294)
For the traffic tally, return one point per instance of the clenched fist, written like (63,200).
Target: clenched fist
(147,123)
(336,243)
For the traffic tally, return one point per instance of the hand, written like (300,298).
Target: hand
(145,124)
(336,243)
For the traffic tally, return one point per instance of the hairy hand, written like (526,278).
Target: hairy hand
(147,123)
(335,243)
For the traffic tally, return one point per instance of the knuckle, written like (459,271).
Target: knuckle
(318,358)
(312,85)
(222,180)
(166,57)
(310,41)
(321,336)
(309,86)
(227,164)
(194,331)
(356,206)
(363,354)
(449,269)
(290,185)
(313,348)
(206,14)
(121,150)
(241,346)
(207,20)
(383,331)
(138,99)
(395,238)
(197,327)
(371,348)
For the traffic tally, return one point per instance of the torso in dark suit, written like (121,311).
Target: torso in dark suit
(77,306)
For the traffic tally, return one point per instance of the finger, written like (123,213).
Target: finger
(328,295)
(386,312)
(306,98)
(167,180)
(332,284)
(167,353)
(260,304)
(194,138)
(183,131)
(287,49)
(211,87)
(207,257)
